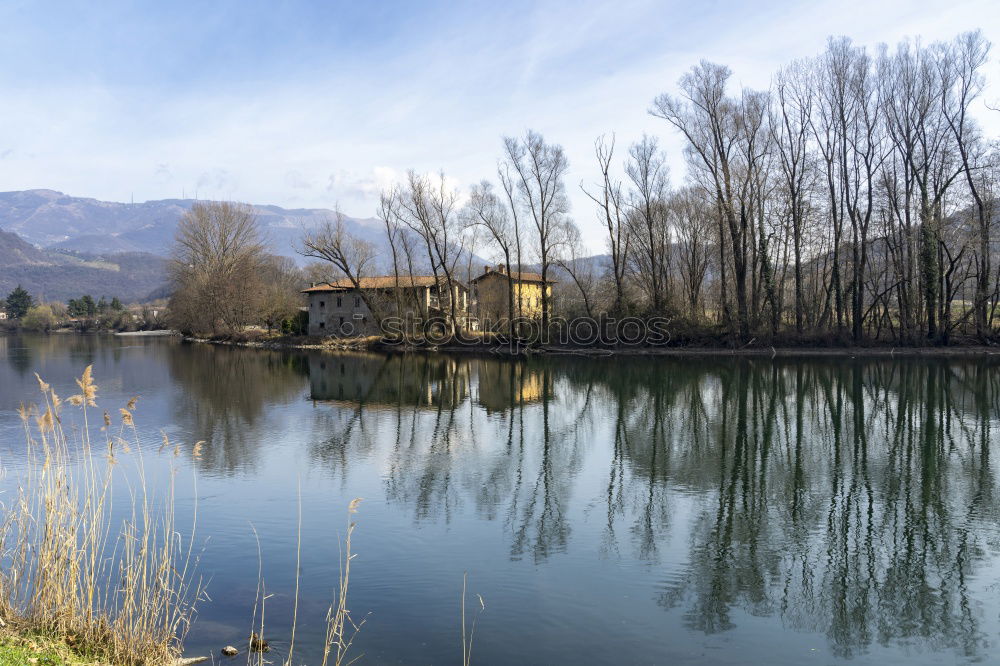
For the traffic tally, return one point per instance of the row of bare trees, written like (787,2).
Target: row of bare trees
(859,188)
(854,199)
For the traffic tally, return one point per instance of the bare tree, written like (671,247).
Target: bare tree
(281,284)
(960,63)
(647,170)
(710,121)
(791,128)
(350,257)
(486,209)
(429,208)
(613,216)
(570,255)
(693,222)
(215,268)
(540,168)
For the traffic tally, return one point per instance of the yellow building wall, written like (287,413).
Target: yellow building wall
(493,289)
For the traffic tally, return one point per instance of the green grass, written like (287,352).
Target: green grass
(31,650)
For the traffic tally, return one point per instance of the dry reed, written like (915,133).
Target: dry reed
(341,628)
(116,583)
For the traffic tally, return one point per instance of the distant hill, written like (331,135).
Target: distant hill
(60,275)
(56,221)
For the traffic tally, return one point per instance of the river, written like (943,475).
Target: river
(617,510)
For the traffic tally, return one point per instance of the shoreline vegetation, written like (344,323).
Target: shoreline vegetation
(754,349)
(88,577)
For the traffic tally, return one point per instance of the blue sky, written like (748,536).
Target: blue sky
(315,104)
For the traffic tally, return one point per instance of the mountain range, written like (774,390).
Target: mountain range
(59,246)
(56,221)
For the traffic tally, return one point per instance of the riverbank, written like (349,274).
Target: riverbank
(18,649)
(378,344)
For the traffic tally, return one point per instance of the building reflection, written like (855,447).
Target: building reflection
(504,384)
(378,381)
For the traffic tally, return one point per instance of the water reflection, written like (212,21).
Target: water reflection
(374,381)
(855,500)
(843,497)
(226,397)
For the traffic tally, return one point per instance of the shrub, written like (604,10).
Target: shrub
(39,318)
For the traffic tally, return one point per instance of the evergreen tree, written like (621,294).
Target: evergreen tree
(88,305)
(19,302)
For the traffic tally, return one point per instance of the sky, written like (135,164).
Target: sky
(320,104)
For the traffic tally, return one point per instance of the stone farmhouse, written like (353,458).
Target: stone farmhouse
(338,308)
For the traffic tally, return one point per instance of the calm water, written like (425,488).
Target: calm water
(608,511)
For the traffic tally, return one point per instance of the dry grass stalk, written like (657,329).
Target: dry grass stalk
(122,592)
(341,628)
(467,637)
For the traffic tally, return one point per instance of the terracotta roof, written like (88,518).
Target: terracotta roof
(517,275)
(377,282)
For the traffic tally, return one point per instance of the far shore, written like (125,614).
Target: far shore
(696,349)
(376,344)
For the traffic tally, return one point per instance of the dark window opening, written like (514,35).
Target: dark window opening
(338,302)
(322,325)
(322,304)
(357,301)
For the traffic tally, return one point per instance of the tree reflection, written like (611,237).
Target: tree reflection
(843,497)
(851,517)
(224,399)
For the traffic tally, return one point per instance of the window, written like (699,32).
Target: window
(357,301)
(341,321)
(322,304)
(338,302)
(322,324)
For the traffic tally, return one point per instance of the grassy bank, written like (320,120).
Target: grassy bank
(21,649)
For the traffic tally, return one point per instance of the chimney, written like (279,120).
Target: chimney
(486,269)
(501,269)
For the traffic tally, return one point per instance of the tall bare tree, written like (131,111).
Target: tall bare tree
(710,121)
(647,171)
(613,215)
(960,63)
(485,208)
(790,127)
(215,268)
(540,168)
